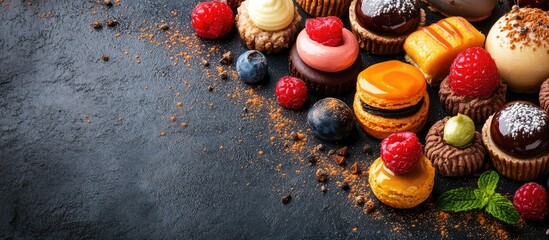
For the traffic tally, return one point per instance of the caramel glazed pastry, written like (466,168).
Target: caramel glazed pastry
(472,10)
(268,26)
(452,161)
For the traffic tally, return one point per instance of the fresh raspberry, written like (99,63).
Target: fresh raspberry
(530,200)
(325,30)
(474,73)
(291,92)
(401,152)
(212,19)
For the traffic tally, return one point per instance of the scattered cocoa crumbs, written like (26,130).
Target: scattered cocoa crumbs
(312,159)
(260,152)
(286,144)
(367,149)
(360,200)
(321,175)
(345,186)
(286,199)
(97,24)
(340,160)
(111,23)
(324,189)
(105,57)
(355,168)
(227,58)
(162,134)
(369,207)
(223,75)
(331,152)
(107,3)
(342,151)
(173,118)
(245,109)
(184,124)
(180,104)
(320,147)
(221,147)
(205,63)
(164,27)
(210,88)
(293,136)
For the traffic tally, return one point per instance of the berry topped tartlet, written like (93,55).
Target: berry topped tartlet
(432,49)
(473,86)
(517,138)
(268,26)
(326,57)
(382,26)
(454,147)
(402,177)
(472,10)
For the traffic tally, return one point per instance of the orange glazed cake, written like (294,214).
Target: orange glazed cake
(432,49)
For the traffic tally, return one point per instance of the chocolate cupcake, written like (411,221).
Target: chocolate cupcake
(454,147)
(382,26)
(323,8)
(328,66)
(517,138)
(268,26)
(544,96)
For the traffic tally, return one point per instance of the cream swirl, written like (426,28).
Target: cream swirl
(271,15)
(326,58)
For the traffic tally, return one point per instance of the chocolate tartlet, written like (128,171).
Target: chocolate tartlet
(381,26)
(517,138)
(479,109)
(452,161)
(544,96)
(323,8)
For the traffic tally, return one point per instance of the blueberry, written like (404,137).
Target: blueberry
(330,119)
(251,66)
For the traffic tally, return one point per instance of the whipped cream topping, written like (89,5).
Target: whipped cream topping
(271,15)
(326,58)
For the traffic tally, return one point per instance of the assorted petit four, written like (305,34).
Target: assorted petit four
(432,49)
(391,97)
(517,138)
(402,177)
(326,57)
(454,147)
(268,26)
(323,8)
(473,86)
(519,43)
(382,26)
(330,119)
(472,10)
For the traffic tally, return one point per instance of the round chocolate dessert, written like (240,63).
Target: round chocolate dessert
(521,129)
(388,17)
(517,138)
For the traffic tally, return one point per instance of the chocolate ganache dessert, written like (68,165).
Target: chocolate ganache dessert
(521,130)
(388,17)
(517,138)
(382,26)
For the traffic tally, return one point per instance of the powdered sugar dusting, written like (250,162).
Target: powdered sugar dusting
(523,119)
(392,5)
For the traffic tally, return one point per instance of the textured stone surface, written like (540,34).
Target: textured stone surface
(62,177)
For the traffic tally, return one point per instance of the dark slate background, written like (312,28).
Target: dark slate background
(115,177)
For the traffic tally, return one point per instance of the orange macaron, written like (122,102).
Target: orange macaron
(391,97)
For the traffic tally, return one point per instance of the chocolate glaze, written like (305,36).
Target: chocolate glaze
(396,113)
(521,129)
(388,17)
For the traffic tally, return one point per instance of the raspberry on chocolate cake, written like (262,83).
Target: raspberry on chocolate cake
(473,87)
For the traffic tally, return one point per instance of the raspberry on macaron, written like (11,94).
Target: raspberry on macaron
(401,152)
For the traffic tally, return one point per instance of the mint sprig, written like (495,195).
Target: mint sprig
(468,198)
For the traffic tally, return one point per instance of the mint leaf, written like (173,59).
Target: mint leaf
(488,182)
(461,199)
(501,208)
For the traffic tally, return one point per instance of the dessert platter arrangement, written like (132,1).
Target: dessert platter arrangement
(424,119)
(471,72)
